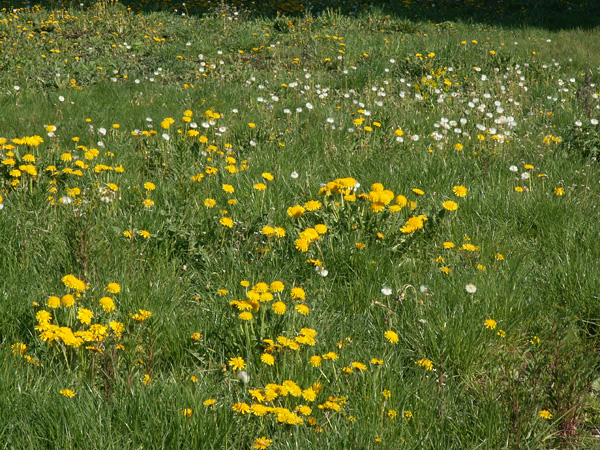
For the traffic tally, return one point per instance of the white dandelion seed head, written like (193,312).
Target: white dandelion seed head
(244,377)
(321,271)
(386,291)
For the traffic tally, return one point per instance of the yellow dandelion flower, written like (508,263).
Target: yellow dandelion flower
(85,316)
(279,308)
(276,286)
(490,324)
(425,363)
(304,410)
(113,288)
(295,211)
(265,297)
(301,244)
(53,302)
(391,336)
(246,315)
(359,366)
(196,336)
(241,408)
(67,300)
(262,442)
(321,229)
(298,293)
(460,191)
(68,393)
(313,205)
(315,361)
(72,282)
(267,359)
(226,222)
(107,304)
(237,363)
(141,316)
(450,205)
(303,309)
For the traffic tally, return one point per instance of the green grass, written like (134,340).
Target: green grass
(294,101)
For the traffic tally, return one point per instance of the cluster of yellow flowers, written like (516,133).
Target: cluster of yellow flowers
(77,328)
(15,165)
(272,392)
(380,198)
(343,186)
(92,334)
(310,235)
(263,293)
(550,139)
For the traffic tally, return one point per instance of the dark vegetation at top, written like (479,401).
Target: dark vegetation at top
(548,14)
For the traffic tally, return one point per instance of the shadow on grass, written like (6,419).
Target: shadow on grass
(548,14)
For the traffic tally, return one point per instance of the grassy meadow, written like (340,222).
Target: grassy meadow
(294,225)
